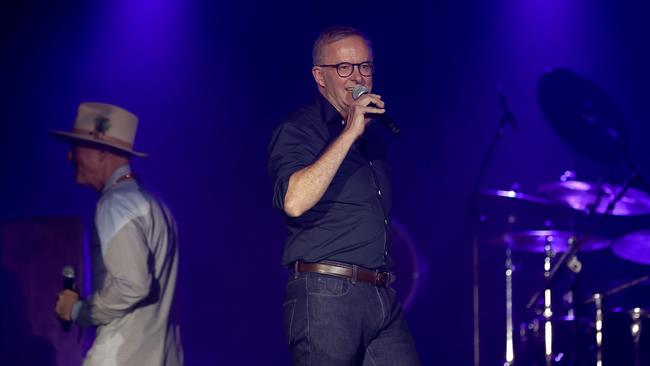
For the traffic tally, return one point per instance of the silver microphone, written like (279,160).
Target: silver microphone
(360,90)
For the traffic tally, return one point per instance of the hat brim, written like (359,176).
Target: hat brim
(72,137)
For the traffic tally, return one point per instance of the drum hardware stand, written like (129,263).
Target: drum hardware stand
(575,266)
(569,259)
(635,329)
(510,354)
(618,289)
(598,301)
(548,313)
(472,213)
(636,315)
(569,255)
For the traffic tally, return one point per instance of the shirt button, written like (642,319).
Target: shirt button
(343,122)
(386,221)
(371,163)
(379,192)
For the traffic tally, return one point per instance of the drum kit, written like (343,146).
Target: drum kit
(562,222)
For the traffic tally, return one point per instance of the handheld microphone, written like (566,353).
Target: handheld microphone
(68,284)
(360,90)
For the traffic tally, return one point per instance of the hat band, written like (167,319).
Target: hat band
(102,137)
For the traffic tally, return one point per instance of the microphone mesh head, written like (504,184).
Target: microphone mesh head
(68,272)
(358,91)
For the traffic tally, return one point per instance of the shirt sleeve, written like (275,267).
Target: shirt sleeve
(128,279)
(293,147)
(75,310)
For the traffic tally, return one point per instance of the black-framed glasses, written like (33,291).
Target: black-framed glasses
(345,69)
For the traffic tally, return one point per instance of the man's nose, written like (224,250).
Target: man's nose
(356,74)
(356,71)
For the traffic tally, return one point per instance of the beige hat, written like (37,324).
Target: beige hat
(104,124)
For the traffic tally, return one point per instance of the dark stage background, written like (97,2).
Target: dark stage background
(209,81)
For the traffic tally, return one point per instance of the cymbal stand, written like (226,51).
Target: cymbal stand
(509,269)
(635,329)
(471,213)
(548,324)
(599,329)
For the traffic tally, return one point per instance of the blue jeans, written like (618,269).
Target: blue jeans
(333,321)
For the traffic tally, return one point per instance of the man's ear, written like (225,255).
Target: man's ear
(317,73)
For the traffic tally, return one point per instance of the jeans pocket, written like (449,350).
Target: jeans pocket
(288,310)
(328,286)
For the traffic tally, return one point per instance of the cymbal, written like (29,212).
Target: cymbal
(507,210)
(634,247)
(511,195)
(535,241)
(582,115)
(584,196)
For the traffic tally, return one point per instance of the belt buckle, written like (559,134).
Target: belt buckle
(387,277)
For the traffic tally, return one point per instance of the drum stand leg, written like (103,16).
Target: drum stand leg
(635,328)
(475,307)
(548,328)
(548,325)
(509,269)
(599,329)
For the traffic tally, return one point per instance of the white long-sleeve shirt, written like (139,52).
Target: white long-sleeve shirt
(135,262)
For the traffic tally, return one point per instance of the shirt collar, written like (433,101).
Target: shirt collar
(117,174)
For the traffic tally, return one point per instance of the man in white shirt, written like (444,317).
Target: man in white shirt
(135,248)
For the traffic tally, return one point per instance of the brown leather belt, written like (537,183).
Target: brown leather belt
(382,279)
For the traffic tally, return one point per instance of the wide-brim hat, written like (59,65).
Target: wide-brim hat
(104,124)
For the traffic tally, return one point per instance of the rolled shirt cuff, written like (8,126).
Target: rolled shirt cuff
(75,310)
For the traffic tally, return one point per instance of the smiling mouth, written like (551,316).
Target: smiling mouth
(349,89)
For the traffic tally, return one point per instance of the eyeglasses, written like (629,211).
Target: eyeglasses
(345,69)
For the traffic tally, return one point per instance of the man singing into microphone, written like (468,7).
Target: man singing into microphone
(135,248)
(330,179)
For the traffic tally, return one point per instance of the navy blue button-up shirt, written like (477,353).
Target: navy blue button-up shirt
(350,223)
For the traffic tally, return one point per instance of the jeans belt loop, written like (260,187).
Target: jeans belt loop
(355,271)
(295,268)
